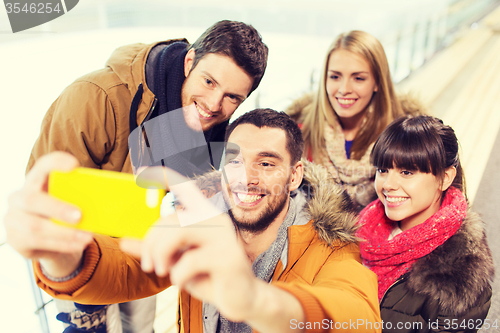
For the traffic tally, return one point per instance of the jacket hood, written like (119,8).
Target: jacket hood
(128,62)
(295,110)
(457,272)
(330,207)
(332,211)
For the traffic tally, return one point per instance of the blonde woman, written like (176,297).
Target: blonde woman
(354,104)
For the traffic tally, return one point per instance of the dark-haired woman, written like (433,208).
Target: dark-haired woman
(429,251)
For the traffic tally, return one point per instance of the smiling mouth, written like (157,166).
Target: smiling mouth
(346,102)
(248,198)
(395,199)
(202,112)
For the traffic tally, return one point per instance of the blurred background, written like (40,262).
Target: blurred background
(443,51)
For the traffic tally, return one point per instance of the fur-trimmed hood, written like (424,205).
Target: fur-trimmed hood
(330,208)
(295,110)
(457,272)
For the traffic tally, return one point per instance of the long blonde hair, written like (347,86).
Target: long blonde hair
(383,108)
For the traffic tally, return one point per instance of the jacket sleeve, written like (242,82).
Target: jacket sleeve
(342,297)
(108,276)
(81,121)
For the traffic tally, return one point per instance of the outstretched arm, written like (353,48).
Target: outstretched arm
(206,260)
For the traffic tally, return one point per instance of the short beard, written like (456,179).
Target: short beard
(268,216)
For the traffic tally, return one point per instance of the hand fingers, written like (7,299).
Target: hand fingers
(29,234)
(162,244)
(161,256)
(189,195)
(197,207)
(157,238)
(166,241)
(33,198)
(193,274)
(42,204)
(27,223)
(37,178)
(193,263)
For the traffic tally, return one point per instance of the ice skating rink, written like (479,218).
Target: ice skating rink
(459,83)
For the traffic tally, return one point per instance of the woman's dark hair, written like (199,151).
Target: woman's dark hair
(419,143)
(274,119)
(237,40)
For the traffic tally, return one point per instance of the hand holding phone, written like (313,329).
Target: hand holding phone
(111,202)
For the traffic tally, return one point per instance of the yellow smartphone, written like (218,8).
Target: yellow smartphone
(111,202)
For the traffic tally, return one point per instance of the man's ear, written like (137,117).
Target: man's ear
(188,62)
(449,177)
(297,175)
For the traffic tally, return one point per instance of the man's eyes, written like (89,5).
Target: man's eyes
(380,170)
(262,164)
(234,99)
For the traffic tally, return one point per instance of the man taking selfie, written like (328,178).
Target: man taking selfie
(94,116)
(283,259)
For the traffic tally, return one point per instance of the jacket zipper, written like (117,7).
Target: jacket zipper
(150,112)
(141,128)
(401,278)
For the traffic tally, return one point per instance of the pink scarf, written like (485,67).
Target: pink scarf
(390,259)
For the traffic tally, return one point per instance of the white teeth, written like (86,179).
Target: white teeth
(203,113)
(346,101)
(395,199)
(247,198)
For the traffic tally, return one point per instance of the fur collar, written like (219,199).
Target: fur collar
(331,209)
(295,110)
(457,272)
